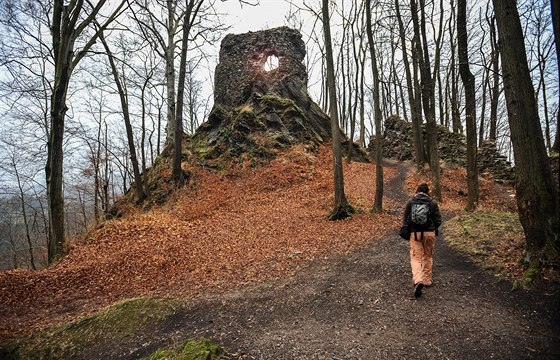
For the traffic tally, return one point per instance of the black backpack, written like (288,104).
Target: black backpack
(420,216)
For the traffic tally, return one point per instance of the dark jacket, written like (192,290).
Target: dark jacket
(434,221)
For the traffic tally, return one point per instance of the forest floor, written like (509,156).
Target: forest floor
(347,296)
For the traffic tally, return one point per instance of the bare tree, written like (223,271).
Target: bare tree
(163,36)
(454,101)
(378,201)
(145,77)
(21,198)
(342,208)
(482,49)
(353,91)
(9,238)
(69,22)
(413,94)
(96,156)
(421,53)
(495,92)
(21,195)
(139,185)
(555,11)
(541,50)
(159,22)
(362,98)
(470,105)
(191,14)
(537,195)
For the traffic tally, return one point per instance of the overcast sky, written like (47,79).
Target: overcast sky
(268,14)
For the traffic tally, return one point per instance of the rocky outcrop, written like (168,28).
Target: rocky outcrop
(398,145)
(257,111)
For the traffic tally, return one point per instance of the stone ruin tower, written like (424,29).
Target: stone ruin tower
(257,111)
(241,71)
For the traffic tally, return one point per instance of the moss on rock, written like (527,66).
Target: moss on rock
(104,327)
(194,349)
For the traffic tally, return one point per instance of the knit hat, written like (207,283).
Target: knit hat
(423,188)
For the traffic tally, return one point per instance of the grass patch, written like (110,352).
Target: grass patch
(111,324)
(198,349)
(494,240)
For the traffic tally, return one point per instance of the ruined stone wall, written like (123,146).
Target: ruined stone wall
(398,140)
(398,145)
(490,160)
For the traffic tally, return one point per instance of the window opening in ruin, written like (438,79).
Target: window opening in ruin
(271,63)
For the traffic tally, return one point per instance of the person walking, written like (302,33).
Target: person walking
(423,218)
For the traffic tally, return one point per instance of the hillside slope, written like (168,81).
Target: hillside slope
(226,230)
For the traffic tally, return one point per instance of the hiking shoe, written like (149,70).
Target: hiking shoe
(418,290)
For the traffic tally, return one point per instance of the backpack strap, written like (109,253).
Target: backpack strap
(421,236)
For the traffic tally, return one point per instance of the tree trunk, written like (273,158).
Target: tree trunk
(378,201)
(53,169)
(495,94)
(447,97)
(421,54)
(106,176)
(45,220)
(97,172)
(413,97)
(441,101)
(555,11)
(159,123)
(25,220)
(170,76)
(139,186)
(143,134)
(354,106)
(361,102)
(342,208)
(470,105)
(177,171)
(482,122)
(537,195)
(455,114)
(14,248)
(395,79)
(190,15)
(64,30)
(342,73)
(83,211)
(542,65)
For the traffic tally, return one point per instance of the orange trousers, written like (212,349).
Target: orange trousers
(421,256)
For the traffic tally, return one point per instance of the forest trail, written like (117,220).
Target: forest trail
(360,306)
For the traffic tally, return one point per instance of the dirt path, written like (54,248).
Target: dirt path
(360,306)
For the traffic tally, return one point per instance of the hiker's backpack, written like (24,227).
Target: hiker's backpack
(420,214)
